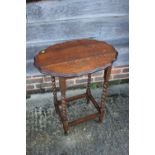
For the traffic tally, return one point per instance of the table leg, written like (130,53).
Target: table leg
(63,106)
(88,92)
(106,77)
(54,93)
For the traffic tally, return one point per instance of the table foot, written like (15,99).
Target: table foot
(65,127)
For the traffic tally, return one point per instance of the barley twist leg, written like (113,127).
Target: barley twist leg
(54,93)
(63,106)
(88,88)
(104,92)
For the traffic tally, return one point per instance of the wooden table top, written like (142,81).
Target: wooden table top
(75,58)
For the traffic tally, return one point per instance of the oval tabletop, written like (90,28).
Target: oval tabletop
(75,58)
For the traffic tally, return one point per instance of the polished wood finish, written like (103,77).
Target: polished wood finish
(81,120)
(91,98)
(63,105)
(54,93)
(75,58)
(69,99)
(88,92)
(76,97)
(104,92)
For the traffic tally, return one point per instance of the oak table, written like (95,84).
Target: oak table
(72,59)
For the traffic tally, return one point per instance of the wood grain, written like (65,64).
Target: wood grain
(50,22)
(121,45)
(122,59)
(88,56)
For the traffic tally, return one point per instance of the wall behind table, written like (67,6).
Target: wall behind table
(50,22)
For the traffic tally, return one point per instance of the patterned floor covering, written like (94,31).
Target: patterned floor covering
(45,133)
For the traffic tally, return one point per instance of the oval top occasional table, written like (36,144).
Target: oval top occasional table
(72,59)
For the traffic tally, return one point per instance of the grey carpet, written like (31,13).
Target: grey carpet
(45,133)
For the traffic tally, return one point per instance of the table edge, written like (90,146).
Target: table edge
(56,74)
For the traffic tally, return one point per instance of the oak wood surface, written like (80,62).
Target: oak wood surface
(75,58)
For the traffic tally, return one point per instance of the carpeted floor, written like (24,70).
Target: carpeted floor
(45,134)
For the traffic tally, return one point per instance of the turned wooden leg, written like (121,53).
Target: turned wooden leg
(88,88)
(54,93)
(63,106)
(106,77)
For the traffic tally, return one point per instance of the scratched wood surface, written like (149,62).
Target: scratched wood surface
(122,58)
(50,22)
(88,56)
